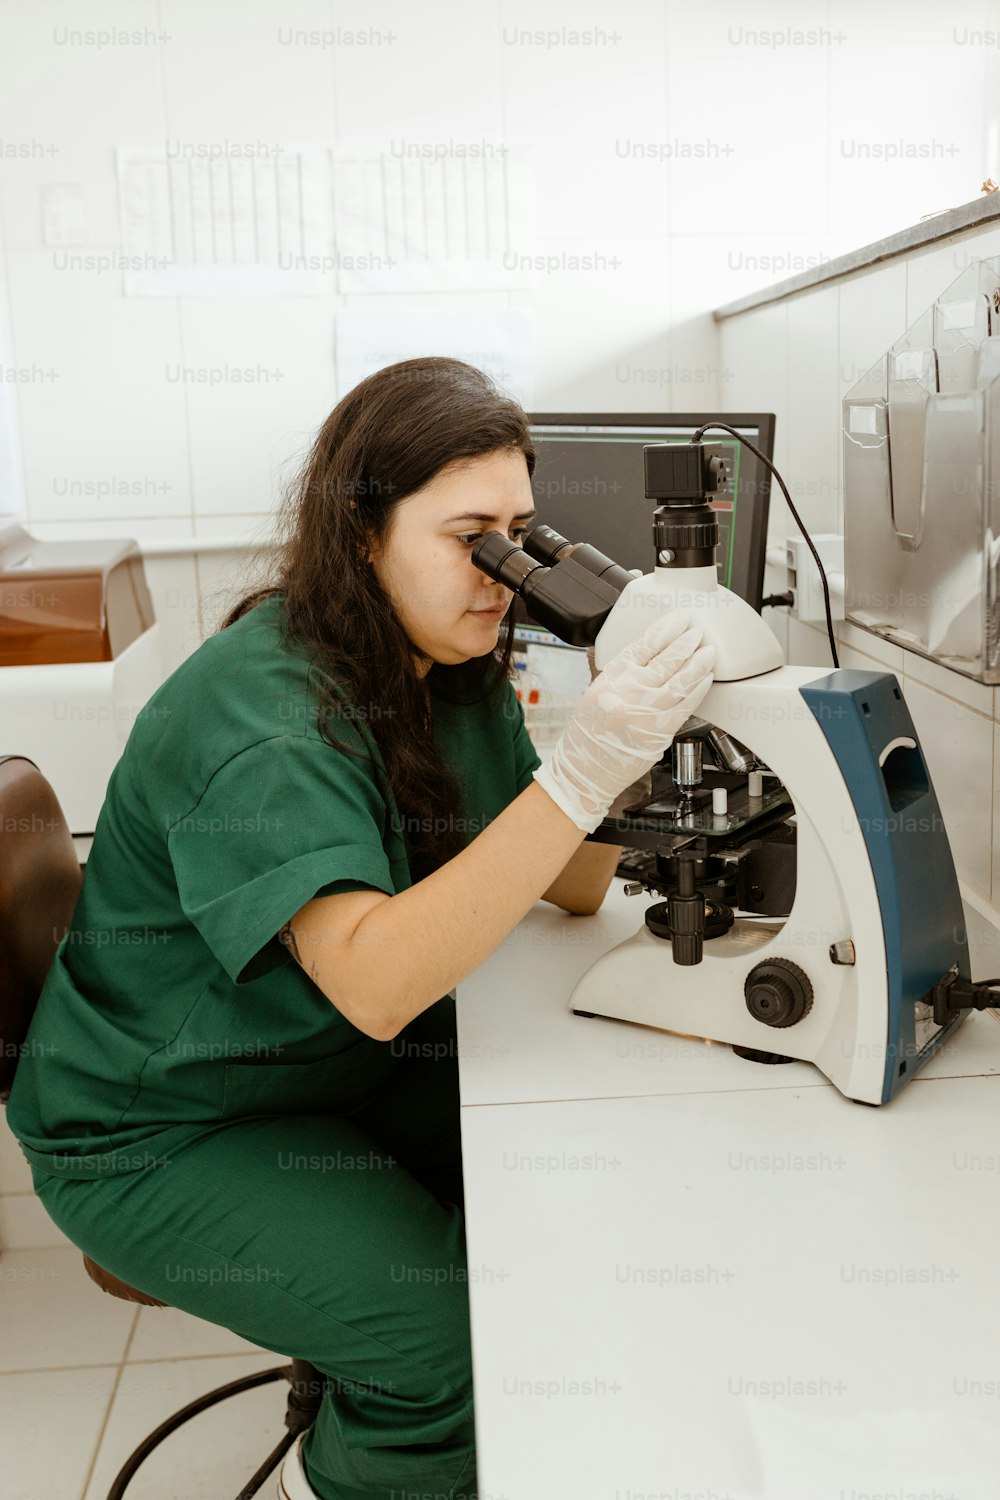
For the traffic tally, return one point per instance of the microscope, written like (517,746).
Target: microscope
(810,905)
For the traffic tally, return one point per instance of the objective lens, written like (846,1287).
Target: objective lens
(687,764)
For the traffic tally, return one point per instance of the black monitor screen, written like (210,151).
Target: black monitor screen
(588,485)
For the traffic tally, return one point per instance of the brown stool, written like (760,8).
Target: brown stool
(40,878)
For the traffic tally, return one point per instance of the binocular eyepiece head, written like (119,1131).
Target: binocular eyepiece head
(682,476)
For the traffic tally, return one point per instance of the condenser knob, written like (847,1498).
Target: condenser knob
(778,992)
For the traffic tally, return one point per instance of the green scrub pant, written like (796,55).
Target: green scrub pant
(339,1240)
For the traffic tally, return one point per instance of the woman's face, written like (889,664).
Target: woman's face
(426,567)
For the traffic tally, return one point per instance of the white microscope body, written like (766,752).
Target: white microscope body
(876,918)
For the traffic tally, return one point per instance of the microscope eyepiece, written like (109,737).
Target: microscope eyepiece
(547,545)
(572,595)
(504,561)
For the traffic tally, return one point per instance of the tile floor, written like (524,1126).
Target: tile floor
(83,1378)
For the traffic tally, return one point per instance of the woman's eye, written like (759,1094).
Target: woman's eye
(517,535)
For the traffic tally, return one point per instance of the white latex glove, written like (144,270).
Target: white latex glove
(642,789)
(627,718)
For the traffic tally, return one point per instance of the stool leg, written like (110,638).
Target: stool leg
(307,1385)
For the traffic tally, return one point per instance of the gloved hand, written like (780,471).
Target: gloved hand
(642,789)
(627,718)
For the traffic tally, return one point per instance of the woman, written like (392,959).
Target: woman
(241,1090)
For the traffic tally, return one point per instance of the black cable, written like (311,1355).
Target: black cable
(697,437)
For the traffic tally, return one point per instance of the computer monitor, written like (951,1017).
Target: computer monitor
(588,485)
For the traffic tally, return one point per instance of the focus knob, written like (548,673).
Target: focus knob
(778,992)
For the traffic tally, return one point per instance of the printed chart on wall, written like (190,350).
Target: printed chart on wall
(439,216)
(209,226)
(306,220)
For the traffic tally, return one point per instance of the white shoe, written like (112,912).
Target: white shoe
(292,1481)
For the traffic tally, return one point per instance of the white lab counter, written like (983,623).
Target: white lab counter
(692,1275)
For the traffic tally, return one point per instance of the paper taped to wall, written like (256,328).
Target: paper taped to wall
(431,219)
(208,225)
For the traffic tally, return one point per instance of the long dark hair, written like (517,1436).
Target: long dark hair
(388,436)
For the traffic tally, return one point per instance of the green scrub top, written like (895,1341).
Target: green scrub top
(171,1002)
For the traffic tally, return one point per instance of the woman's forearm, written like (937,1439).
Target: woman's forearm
(410,950)
(582,885)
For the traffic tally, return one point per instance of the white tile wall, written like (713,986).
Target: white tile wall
(872,315)
(844,328)
(755,353)
(618,355)
(906,127)
(272,89)
(68,104)
(270,418)
(103,434)
(807,645)
(587,109)
(976,695)
(813,449)
(889,657)
(721,46)
(958,746)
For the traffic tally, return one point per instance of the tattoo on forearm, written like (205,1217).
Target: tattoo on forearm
(287,936)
